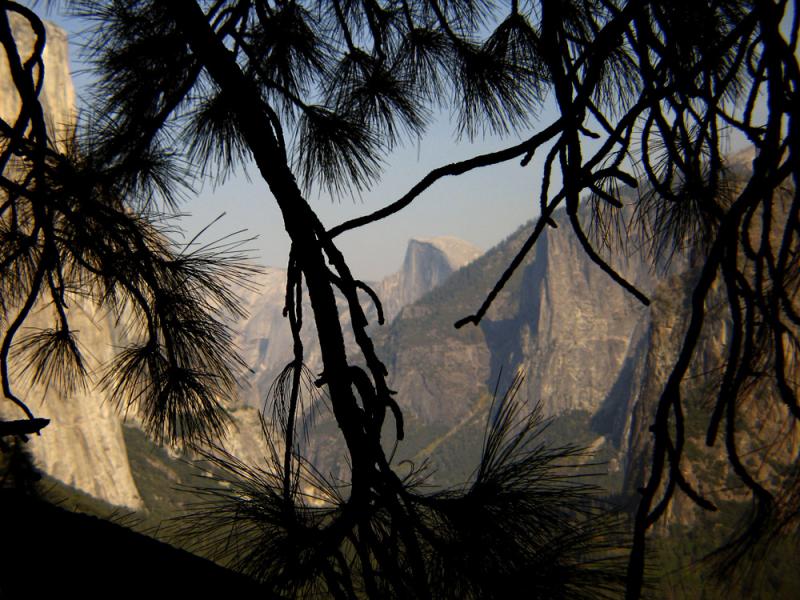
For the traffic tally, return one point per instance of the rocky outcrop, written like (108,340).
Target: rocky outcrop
(577,338)
(560,320)
(83,446)
(58,93)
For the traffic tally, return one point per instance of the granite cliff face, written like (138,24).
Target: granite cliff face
(572,326)
(560,320)
(83,446)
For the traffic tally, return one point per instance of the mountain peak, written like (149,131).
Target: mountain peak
(428,262)
(458,252)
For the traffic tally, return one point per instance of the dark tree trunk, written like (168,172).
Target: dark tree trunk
(301,224)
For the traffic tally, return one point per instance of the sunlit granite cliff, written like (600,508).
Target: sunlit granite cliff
(83,446)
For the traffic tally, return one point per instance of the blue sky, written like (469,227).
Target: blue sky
(482,207)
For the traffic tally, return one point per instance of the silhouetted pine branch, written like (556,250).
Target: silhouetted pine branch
(526,520)
(648,93)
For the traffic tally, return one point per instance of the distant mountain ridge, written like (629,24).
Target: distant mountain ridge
(264,336)
(547,320)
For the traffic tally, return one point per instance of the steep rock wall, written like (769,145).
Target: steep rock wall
(560,320)
(83,446)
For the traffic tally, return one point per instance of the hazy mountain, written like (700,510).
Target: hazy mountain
(428,262)
(264,336)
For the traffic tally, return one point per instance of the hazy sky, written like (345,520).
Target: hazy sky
(482,207)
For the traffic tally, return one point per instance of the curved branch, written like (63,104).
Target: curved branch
(459,168)
(731,380)
(8,338)
(596,259)
(544,219)
(294,310)
(675,451)
(337,281)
